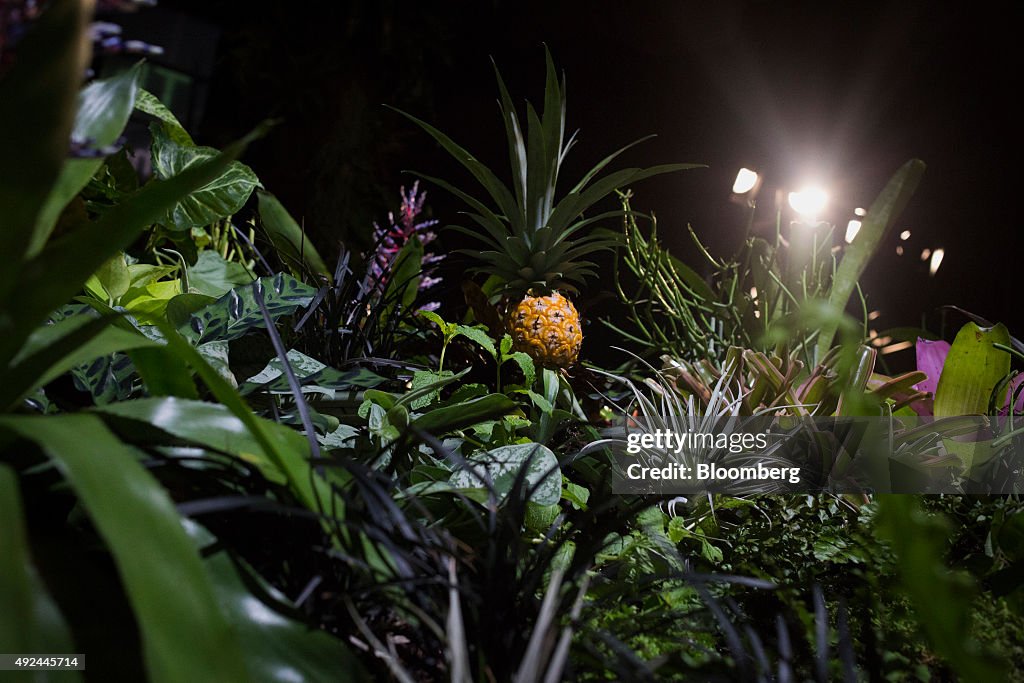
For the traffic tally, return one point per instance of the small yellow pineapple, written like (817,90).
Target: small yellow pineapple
(547,328)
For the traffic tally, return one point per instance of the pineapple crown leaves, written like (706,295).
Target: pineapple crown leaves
(530,238)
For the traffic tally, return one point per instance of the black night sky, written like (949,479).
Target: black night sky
(837,93)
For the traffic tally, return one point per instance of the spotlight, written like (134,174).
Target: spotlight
(809,202)
(746,180)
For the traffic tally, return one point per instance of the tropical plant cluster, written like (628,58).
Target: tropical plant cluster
(228,454)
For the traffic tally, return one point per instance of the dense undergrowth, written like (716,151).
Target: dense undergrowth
(228,454)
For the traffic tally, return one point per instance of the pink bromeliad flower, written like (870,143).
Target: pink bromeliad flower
(396,234)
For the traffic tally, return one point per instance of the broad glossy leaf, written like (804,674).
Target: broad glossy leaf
(30,620)
(185,635)
(277,648)
(883,213)
(207,424)
(972,370)
(235,313)
(501,466)
(290,240)
(103,110)
(213,275)
(221,197)
(312,374)
(37,109)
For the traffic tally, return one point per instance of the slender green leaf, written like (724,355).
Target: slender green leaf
(30,621)
(103,110)
(184,633)
(883,213)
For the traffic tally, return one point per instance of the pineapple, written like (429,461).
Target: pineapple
(532,245)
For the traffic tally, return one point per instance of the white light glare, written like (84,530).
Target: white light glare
(905,235)
(745,181)
(860,212)
(852,228)
(809,202)
(937,257)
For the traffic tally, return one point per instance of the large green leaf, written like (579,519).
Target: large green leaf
(973,368)
(883,213)
(277,648)
(501,466)
(314,376)
(208,424)
(215,276)
(103,110)
(288,238)
(29,621)
(37,110)
(221,197)
(184,632)
(236,312)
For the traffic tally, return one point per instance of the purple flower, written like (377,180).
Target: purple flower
(391,239)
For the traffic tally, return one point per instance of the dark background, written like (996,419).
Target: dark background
(838,93)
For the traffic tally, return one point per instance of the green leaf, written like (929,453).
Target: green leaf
(288,238)
(221,197)
(883,213)
(235,313)
(37,110)
(479,336)
(972,370)
(466,414)
(163,372)
(431,379)
(404,279)
(103,110)
(30,620)
(114,277)
(185,635)
(277,647)
(525,364)
(501,466)
(214,276)
(208,424)
(148,103)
